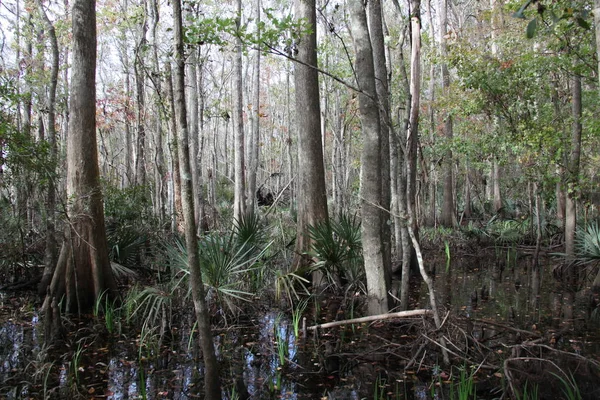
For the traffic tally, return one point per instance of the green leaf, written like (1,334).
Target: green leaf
(583,23)
(531,27)
(519,14)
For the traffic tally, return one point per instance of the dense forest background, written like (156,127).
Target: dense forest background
(327,144)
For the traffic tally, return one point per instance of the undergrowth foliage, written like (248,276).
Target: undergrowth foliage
(587,243)
(337,247)
(227,260)
(133,234)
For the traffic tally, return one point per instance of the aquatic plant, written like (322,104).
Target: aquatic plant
(109,308)
(464,389)
(280,339)
(569,386)
(75,365)
(142,393)
(528,394)
(448,256)
(297,312)
(379,392)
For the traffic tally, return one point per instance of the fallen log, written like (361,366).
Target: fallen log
(370,318)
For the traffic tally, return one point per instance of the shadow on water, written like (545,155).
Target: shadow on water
(494,304)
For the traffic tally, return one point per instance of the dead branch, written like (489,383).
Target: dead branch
(510,328)
(370,318)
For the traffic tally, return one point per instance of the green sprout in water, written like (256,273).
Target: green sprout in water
(280,338)
(448,258)
(297,315)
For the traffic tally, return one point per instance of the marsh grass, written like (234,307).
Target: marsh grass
(570,388)
(464,389)
(379,389)
(528,393)
(110,310)
(75,365)
(448,255)
(280,336)
(297,313)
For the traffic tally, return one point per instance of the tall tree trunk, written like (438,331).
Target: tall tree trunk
(140,83)
(497,193)
(431,208)
(212,387)
(572,195)
(497,22)
(415,77)
(401,216)
(194,124)
(51,253)
(203,225)
(448,217)
(370,175)
(413,128)
(311,198)
(253,150)
(83,272)
(382,86)
(468,211)
(177,217)
(239,202)
(160,164)
(22,195)
(597,35)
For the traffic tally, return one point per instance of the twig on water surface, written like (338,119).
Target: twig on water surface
(370,318)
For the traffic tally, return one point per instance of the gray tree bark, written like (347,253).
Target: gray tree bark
(572,195)
(239,193)
(51,252)
(253,151)
(140,83)
(448,215)
(212,387)
(382,86)
(311,197)
(370,175)
(161,190)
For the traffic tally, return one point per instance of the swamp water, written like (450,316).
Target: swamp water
(261,358)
